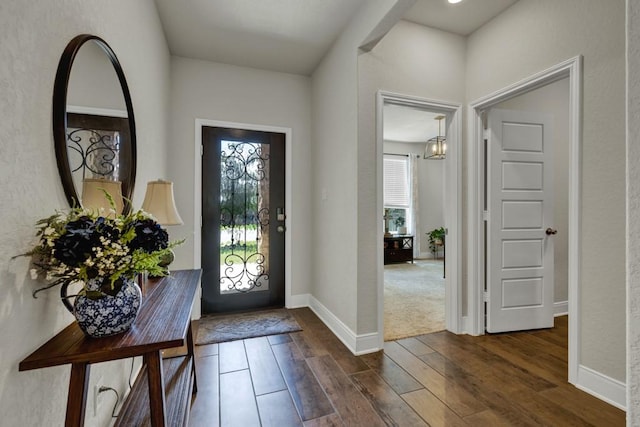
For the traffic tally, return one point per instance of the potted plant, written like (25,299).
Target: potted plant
(102,252)
(436,239)
(399,220)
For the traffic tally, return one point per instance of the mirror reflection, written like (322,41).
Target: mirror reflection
(95,122)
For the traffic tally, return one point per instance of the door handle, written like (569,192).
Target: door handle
(550,231)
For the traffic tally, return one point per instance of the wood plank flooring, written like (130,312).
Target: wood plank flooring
(310,379)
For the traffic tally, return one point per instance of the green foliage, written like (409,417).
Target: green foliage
(396,216)
(436,235)
(83,244)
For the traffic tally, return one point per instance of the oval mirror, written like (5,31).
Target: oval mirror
(93,125)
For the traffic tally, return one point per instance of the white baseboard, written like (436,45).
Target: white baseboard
(357,344)
(429,255)
(603,387)
(298,301)
(465,328)
(560,308)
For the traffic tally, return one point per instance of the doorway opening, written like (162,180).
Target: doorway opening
(279,216)
(428,200)
(569,71)
(414,250)
(243,186)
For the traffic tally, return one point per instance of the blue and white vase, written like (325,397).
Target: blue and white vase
(108,315)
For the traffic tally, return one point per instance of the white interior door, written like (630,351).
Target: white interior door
(520,221)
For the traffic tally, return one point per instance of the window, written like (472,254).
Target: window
(397,191)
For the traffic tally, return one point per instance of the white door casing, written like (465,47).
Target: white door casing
(520,201)
(453,204)
(571,69)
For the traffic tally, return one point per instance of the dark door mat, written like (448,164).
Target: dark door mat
(230,327)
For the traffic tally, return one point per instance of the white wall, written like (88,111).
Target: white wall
(553,99)
(411,60)
(33,36)
(529,37)
(336,252)
(213,91)
(633,214)
(430,193)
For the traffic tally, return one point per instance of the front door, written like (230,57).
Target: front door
(243,187)
(520,225)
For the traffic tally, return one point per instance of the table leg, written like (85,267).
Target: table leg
(77,398)
(155,376)
(193,356)
(444,259)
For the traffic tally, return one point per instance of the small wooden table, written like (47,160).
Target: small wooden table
(164,321)
(398,248)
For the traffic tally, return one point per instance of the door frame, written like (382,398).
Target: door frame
(572,69)
(452,207)
(197,189)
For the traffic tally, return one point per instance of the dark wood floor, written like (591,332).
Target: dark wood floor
(309,378)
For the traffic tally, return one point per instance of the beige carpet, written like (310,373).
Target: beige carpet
(413,299)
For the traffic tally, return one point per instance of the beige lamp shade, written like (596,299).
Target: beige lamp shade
(93,196)
(159,202)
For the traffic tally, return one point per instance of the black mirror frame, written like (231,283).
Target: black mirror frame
(60,118)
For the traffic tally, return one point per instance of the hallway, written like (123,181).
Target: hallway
(309,378)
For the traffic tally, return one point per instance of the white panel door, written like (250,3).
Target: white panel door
(520,204)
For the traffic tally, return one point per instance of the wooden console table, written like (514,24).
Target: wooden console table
(162,393)
(398,249)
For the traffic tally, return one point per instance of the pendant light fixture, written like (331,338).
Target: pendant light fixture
(436,148)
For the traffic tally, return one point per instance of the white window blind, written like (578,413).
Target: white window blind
(396,181)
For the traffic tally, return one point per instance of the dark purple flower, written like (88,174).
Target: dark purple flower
(106,230)
(74,246)
(150,236)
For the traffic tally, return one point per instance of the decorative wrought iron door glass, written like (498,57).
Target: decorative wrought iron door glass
(93,153)
(99,147)
(243,233)
(244,217)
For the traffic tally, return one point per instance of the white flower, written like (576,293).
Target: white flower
(34,273)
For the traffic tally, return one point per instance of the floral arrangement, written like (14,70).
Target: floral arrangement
(83,244)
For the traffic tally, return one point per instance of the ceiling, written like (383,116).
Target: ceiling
(461,18)
(292,36)
(402,123)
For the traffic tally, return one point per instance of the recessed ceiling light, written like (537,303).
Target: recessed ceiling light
(454,1)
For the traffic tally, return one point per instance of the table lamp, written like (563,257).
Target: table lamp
(159,202)
(93,196)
